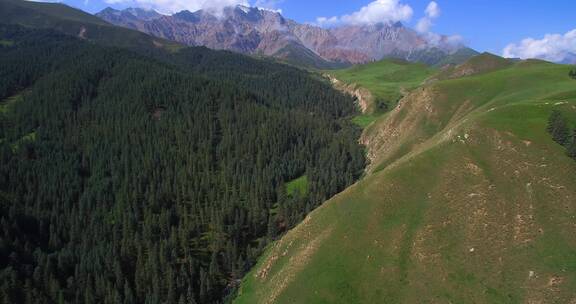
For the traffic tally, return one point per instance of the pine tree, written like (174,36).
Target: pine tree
(571,149)
(128,295)
(182,300)
(190,295)
(272,227)
(558,128)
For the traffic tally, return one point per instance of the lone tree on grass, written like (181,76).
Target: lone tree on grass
(558,128)
(571,150)
(572,73)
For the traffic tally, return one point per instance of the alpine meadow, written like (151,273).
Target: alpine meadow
(271,152)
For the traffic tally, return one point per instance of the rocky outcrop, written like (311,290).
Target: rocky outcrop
(364,98)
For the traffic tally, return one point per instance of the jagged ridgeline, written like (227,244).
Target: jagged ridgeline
(125,179)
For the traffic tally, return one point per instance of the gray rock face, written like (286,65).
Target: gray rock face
(251,30)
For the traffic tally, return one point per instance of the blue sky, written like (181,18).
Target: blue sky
(485,25)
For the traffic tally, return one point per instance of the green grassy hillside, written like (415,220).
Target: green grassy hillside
(386,81)
(483,63)
(459,57)
(468,201)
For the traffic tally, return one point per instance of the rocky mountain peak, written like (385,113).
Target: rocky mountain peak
(259,31)
(143,14)
(192,17)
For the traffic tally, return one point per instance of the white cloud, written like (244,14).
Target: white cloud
(271,5)
(323,21)
(375,12)
(425,23)
(432,10)
(172,6)
(448,43)
(553,47)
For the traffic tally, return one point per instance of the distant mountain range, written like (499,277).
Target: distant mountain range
(251,30)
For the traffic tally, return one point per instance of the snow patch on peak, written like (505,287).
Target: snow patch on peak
(271,10)
(244,8)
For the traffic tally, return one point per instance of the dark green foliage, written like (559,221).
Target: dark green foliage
(153,180)
(382,106)
(74,22)
(572,73)
(571,148)
(558,128)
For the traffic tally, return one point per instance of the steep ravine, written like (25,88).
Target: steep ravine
(364,98)
(388,136)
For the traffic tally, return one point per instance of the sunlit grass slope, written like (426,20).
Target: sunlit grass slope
(469,201)
(386,79)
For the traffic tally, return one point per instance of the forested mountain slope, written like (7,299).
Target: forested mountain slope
(131,179)
(469,200)
(77,23)
(223,65)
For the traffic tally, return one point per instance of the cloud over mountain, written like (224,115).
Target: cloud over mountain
(432,12)
(553,47)
(375,12)
(172,6)
(271,5)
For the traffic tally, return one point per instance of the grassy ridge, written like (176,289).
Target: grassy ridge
(386,79)
(467,98)
(472,203)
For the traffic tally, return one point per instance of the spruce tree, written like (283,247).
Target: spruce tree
(572,145)
(558,128)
